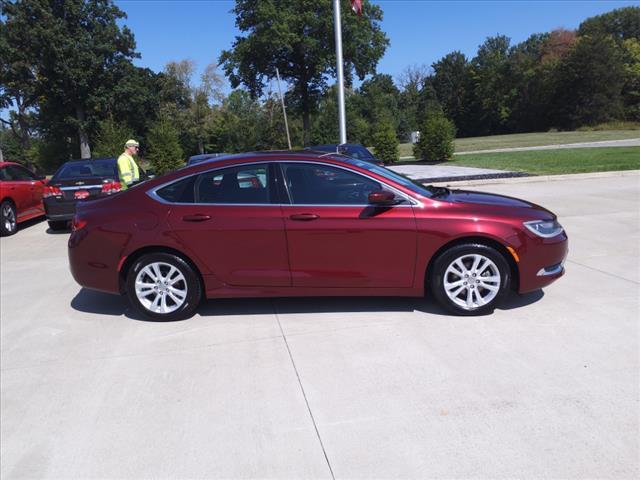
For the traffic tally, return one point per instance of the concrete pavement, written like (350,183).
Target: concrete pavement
(547,386)
(630,142)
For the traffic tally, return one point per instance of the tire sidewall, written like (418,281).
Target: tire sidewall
(444,260)
(194,288)
(3,230)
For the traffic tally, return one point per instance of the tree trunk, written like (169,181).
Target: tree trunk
(85,150)
(306,125)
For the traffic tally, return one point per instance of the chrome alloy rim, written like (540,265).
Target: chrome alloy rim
(161,287)
(9,218)
(472,281)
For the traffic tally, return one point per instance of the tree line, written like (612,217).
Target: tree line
(70,88)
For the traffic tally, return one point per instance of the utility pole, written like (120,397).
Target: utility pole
(284,110)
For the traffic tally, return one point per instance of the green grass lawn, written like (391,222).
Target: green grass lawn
(531,140)
(555,162)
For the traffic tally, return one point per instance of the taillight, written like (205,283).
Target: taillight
(50,191)
(111,187)
(78,224)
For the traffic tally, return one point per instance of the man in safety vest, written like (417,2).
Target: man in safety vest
(127,167)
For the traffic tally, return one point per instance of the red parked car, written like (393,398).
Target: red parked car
(312,225)
(20,196)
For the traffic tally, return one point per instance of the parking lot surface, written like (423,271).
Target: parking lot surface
(546,387)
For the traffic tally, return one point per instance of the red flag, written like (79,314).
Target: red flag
(356,6)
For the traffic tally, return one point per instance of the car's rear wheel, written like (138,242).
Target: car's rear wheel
(163,287)
(470,279)
(58,225)
(8,222)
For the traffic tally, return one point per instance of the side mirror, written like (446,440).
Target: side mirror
(382,197)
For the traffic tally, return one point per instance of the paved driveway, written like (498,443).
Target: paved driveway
(548,386)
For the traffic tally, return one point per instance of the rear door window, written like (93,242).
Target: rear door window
(16,173)
(237,185)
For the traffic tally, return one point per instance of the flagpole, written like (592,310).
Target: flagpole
(341,111)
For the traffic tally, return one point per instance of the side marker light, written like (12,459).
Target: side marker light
(515,255)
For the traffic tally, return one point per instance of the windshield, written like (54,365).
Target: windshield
(403,180)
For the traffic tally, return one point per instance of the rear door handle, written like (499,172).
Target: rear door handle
(198,217)
(304,217)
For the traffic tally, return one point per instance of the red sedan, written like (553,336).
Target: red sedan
(20,196)
(309,225)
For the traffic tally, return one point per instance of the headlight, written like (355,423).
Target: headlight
(544,228)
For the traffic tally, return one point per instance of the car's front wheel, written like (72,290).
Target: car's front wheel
(163,287)
(8,222)
(470,279)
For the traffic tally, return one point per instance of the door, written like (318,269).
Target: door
(230,219)
(336,239)
(23,187)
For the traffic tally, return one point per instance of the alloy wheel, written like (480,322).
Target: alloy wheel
(161,287)
(8,218)
(472,281)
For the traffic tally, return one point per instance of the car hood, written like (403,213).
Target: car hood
(492,200)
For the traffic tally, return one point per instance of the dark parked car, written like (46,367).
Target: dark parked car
(20,196)
(353,150)
(310,225)
(77,181)
(203,157)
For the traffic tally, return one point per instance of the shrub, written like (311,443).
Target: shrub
(164,152)
(436,139)
(385,143)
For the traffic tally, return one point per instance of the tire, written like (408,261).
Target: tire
(58,225)
(171,291)
(8,220)
(470,279)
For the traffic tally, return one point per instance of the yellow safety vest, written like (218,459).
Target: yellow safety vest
(128,170)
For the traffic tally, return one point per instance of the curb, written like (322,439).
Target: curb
(535,178)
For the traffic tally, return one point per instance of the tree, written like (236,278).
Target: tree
(411,81)
(74,53)
(490,106)
(631,88)
(621,24)
(21,35)
(590,83)
(164,151)
(236,126)
(529,82)
(297,38)
(110,138)
(377,102)
(451,82)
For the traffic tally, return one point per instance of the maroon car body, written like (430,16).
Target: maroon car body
(284,240)
(20,196)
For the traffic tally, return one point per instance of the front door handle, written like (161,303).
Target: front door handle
(304,217)
(198,217)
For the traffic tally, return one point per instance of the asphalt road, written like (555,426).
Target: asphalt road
(547,386)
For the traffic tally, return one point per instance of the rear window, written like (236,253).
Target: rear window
(361,153)
(89,168)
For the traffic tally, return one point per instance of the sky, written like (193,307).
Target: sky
(420,32)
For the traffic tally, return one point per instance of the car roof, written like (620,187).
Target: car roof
(4,164)
(78,160)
